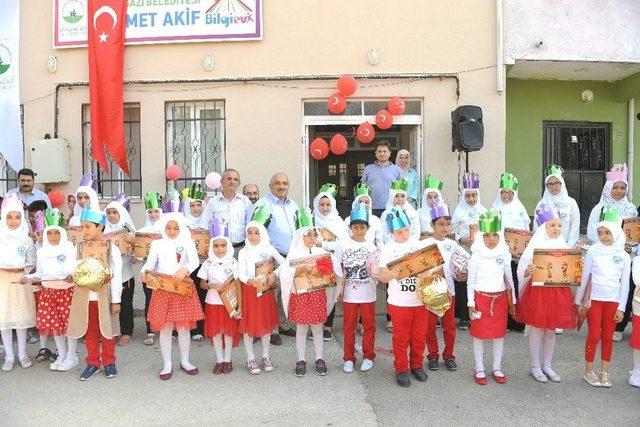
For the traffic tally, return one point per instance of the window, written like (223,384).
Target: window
(9,176)
(114,182)
(195,139)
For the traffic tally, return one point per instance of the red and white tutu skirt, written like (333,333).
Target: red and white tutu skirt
(259,314)
(494,307)
(183,310)
(634,342)
(217,321)
(309,308)
(547,307)
(52,314)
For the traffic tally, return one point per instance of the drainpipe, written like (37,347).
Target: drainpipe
(500,46)
(630,137)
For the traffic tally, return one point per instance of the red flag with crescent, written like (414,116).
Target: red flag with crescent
(106,21)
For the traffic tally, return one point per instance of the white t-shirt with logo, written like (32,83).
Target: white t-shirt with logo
(359,287)
(402,293)
(216,272)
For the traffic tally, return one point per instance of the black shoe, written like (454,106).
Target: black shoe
(43,354)
(451,365)
(321,367)
(287,332)
(420,374)
(54,356)
(463,325)
(275,339)
(433,365)
(402,378)
(327,335)
(301,368)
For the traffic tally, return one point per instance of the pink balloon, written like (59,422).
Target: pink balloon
(213,180)
(173,172)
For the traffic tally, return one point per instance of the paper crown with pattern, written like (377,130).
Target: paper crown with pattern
(39,226)
(303,218)
(508,181)
(123,199)
(195,192)
(361,189)
(401,185)
(438,210)
(397,219)
(359,213)
(88,181)
(470,180)
(94,216)
(610,213)
(555,170)
(618,173)
(11,203)
(262,215)
(53,216)
(218,228)
(329,188)
(171,203)
(431,182)
(152,201)
(490,221)
(546,212)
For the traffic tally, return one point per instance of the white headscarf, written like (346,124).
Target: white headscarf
(14,243)
(124,220)
(153,227)
(61,257)
(625,208)
(94,203)
(264,242)
(228,254)
(425,210)
(464,212)
(478,247)
(195,222)
(406,206)
(561,199)
(539,240)
(357,200)
(403,151)
(332,220)
(512,213)
(183,236)
(619,240)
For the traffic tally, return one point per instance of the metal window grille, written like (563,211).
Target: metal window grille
(114,182)
(9,176)
(195,138)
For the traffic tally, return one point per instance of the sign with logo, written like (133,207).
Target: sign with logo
(165,21)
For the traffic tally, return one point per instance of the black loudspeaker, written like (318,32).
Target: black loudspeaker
(467,130)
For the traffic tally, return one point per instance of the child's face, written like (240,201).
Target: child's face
(491,240)
(358,231)
(619,190)
(471,198)
(253,235)
(32,217)
(324,205)
(399,199)
(71,202)
(83,199)
(506,196)
(172,229)
(310,238)
(402,235)
(432,198)
(220,247)
(113,216)
(605,236)
(13,220)
(196,208)
(153,214)
(441,227)
(53,236)
(554,228)
(366,200)
(90,230)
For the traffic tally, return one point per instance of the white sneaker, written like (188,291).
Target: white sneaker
(8,364)
(551,374)
(68,364)
(617,336)
(347,368)
(367,364)
(634,378)
(559,331)
(25,362)
(55,366)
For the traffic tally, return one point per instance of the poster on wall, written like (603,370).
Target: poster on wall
(164,21)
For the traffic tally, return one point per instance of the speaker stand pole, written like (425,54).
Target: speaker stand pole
(466,161)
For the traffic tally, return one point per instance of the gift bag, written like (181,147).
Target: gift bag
(459,262)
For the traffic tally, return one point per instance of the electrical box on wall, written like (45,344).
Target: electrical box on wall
(51,160)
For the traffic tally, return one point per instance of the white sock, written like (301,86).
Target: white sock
(184,342)
(478,353)
(498,348)
(72,348)
(535,342)
(21,334)
(248,347)
(217,346)
(43,340)
(318,341)
(61,345)
(301,340)
(7,342)
(228,346)
(547,348)
(266,342)
(165,349)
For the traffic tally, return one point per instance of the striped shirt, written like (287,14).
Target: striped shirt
(232,211)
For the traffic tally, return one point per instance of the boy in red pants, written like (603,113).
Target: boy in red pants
(408,313)
(359,292)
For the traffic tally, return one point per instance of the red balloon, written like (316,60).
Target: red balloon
(173,172)
(319,149)
(365,133)
(336,103)
(338,144)
(347,85)
(56,198)
(384,119)
(396,106)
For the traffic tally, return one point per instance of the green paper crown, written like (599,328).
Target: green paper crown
(303,218)
(508,181)
(430,182)
(403,184)
(555,170)
(262,215)
(361,189)
(490,221)
(152,201)
(195,192)
(329,188)
(53,216)
(610,213)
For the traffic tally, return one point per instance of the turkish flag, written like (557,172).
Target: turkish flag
(106,22)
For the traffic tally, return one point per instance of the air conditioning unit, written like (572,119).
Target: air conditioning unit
(51,160)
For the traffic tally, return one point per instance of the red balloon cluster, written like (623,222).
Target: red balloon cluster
(319,149)
(56,198)
(173,172)
(365,133)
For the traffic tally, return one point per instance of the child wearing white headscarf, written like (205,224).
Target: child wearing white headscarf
(398,198)
(82,193)
(514,214)
(17,303)
(466,216)
(374,233)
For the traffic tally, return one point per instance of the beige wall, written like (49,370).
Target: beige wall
(263,122)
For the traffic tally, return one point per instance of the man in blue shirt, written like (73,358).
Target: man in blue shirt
(26,190)
(378,177)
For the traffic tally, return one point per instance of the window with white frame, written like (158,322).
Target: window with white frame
(114,182)
(195,138)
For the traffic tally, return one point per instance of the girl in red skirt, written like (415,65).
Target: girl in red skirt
(218,325)
(308,310)
(544,308)
(259,313)
(487,294)
(175,254)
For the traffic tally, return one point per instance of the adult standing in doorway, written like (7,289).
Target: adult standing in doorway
(26,191)
(403,160)
(252,192)
(378,176)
